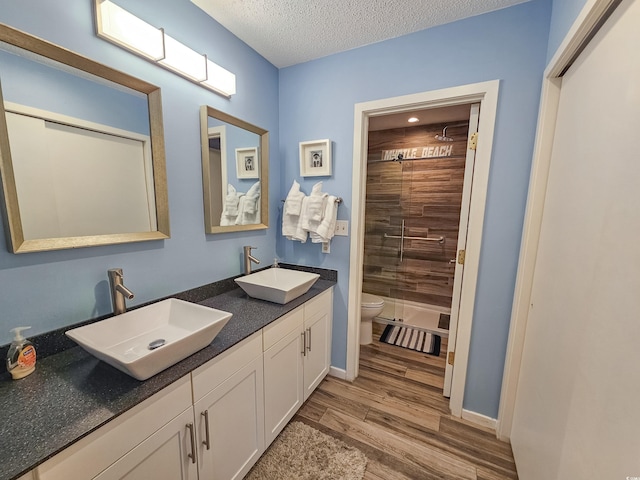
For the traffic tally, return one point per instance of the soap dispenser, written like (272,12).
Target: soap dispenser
(21,358)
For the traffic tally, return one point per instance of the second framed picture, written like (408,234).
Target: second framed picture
(315,158)
(247,163)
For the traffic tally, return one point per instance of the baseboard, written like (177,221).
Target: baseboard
(479,419)
(338,373)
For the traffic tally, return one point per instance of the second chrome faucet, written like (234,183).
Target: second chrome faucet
(248,258)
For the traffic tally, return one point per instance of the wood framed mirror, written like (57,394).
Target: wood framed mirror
(235,173)
(82,153)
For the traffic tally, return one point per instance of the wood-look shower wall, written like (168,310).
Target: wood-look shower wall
(427,194)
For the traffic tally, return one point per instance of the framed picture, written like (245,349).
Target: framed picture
(247,163)
(315,158)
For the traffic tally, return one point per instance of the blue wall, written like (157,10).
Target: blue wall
(563,14)
(317,101)
(49,290)
(310,101)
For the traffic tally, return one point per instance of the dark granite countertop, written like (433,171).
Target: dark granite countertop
(72,393)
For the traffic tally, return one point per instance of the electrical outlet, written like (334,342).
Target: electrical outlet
(326,248)
(342,228)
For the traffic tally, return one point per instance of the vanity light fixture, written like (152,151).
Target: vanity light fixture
(124,29)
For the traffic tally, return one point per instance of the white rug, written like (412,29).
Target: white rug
(303,453)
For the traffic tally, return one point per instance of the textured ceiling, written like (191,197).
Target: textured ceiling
(288,32)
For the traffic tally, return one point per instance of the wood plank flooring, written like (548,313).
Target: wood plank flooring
(394,412)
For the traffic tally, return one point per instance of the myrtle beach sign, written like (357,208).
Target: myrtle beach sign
(418,152)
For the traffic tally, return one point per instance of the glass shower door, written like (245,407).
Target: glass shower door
(382,224)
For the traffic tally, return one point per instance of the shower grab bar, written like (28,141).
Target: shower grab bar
(402,238)
(429,239)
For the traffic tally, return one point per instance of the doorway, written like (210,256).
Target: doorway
(416,212)
(485,94)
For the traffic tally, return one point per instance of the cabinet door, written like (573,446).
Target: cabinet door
(235,414)
(317,357)
(283,389)
(162,456)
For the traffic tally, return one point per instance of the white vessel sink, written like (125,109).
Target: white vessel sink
(126,341)
(278,285)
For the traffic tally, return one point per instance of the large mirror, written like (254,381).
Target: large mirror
(235,173)
(81,150)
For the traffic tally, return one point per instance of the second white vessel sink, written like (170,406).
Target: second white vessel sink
(278,285)
(147,340)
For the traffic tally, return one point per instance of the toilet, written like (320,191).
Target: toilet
(370,306)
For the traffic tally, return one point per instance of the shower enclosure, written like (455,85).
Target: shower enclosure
(415,179)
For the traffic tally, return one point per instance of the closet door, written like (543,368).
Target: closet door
(577,412)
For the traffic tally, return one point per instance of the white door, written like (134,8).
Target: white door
(283,387)
(235,441)
(576,413)
(317,356)
(474,118)
(162,456)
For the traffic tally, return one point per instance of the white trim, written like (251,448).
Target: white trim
(479,419)
(579,32)
(338,373)
(221,132)
(74,122)
(487,94)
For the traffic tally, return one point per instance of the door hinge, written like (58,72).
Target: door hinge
(461,255)
(473,141)
(452,358)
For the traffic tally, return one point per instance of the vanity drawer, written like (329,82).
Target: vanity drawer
(281,327)
(321,303)
(213,373)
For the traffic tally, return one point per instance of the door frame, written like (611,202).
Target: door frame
(584,27)
(485,93)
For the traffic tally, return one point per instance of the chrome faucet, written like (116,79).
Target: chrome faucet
(248,258)
(118,291)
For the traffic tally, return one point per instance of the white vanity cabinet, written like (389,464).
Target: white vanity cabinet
(229,411)
(216,422)
(297,356)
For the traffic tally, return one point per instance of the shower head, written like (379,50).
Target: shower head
(443,137)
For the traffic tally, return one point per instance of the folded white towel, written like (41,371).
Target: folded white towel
(300,233)
(290,223)
(327,227)
(249,207)
(316,203)
(293,202)
(251,200)
(231,201)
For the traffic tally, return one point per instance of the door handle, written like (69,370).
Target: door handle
(206,442)
(309,347)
